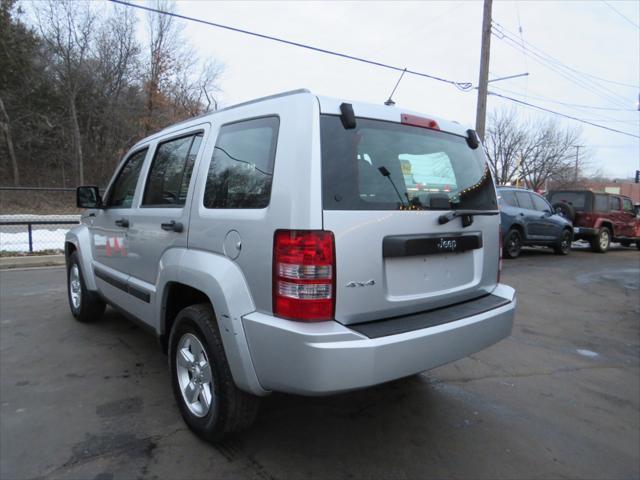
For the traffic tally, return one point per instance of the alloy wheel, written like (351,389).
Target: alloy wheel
(194,375)
(75,287)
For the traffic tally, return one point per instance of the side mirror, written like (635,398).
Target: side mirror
(88,197)
(558,211)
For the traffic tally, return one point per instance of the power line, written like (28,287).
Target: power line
(538,96)
(465,86)
(562,114)
(568,67)
(558,66)
(621,14)
(460,85)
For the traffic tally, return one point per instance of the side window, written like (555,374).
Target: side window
(614,203)
(601,203)
(627,206)
(540,203)
(508,198)
(241,167)
(524,199)
(121,193)
(170,172)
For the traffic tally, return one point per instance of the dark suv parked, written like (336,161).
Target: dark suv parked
(528,219)
(599,218)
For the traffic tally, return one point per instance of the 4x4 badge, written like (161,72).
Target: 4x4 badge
(368,283)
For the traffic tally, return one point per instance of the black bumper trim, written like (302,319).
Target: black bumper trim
(431,318)
(125,287)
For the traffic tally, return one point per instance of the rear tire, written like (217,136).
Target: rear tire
(600,243)
(563,246)
(209,401)
(512,244)
(86,306)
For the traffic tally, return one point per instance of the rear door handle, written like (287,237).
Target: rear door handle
(123,222)
(172,226)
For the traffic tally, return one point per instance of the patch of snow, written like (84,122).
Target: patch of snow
(587,353)
(42,240)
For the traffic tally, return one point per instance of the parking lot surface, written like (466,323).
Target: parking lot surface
(559,399)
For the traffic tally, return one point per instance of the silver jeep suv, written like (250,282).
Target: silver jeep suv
(299,244)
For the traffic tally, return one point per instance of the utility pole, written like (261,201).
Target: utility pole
(575,174)
(483,80)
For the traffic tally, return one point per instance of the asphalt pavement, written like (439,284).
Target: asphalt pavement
(560,398)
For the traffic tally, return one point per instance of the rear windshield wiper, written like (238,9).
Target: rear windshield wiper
(467,216)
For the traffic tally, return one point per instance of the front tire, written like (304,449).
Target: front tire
(209,401)
(512,244)
(601,242)
(563,247)
(85,306)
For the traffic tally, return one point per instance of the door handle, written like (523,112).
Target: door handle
(172,226)
(123,222)
(521,214)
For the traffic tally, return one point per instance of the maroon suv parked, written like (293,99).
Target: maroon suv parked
(600,218)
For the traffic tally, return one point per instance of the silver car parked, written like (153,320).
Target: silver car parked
(299,244)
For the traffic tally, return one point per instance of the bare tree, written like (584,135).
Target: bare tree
(533,151)
(164,46)
(548,153)
(5,126)
(66,27)
(505,141)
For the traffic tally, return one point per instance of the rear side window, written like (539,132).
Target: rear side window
(578,200)
(508,198)
(614,203)
(540,203)
(241,168)
(124,188)
(383,165)
(524,199)
(170,172)
(601,203)
(627,205)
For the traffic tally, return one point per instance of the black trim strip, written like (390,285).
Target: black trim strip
(431,318)
(124,286)
(416,245)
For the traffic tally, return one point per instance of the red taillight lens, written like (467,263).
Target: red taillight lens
(499,252)
(304,275)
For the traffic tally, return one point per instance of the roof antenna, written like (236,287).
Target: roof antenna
(390,102)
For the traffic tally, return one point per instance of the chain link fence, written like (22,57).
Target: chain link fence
(34,220)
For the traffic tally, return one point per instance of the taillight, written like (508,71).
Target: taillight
(499,252)
(304,275)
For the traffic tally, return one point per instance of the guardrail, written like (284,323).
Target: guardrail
(30,224)
(35,219)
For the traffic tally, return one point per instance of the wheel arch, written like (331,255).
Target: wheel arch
(199,277)
(78,240)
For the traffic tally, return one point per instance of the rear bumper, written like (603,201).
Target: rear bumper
(580,233)
(327,357)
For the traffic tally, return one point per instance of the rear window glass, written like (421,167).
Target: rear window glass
(601,203)
(388,166)
(524,199)
(614,203)
(540,203)
(241,168)
(577,199)
(507,197)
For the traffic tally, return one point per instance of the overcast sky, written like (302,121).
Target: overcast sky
(440,38)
